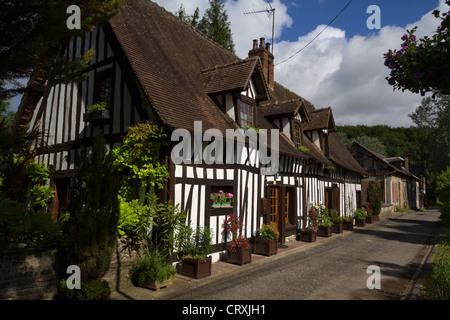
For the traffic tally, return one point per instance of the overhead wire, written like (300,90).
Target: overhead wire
(328,25)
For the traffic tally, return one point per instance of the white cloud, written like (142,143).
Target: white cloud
(349,73)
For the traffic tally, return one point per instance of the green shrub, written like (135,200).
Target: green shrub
(360,214)
(195,244)
(26,227)
(444,218)
(374,197)
(439,286)
(90,290)
(151,267)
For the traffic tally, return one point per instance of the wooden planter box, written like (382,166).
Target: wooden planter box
(196,268)
(360,223)
(97,117)
(370,219)
(347,225)
(265,247)
(156,285)
(307,236)
(241,256)
(324,231)
(376,218)
(337,228)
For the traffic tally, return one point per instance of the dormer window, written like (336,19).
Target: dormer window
(297,135)
(247,115)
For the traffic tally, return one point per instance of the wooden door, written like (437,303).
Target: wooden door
(274,206)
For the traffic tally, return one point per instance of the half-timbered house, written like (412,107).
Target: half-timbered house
(149,65)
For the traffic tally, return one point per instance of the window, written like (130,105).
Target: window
(297,135)
(104,88)
(246,115)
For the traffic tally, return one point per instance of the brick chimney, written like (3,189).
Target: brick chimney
(266,57)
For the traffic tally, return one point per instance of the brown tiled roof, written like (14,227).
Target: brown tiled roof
(167,56)
(234,77)
(320,119)
(279,108)
(342,156)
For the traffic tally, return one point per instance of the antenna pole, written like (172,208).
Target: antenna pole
(270,12)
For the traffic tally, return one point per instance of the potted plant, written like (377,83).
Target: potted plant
(324,229)
(360,217)
(370,217)
(325,224)
(195,247)
(152,271)
(97,113)
(221,199)
(347,223)
(309,234)
(239,250)
(338,226)
(266,240)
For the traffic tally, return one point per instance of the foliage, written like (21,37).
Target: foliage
(221,197)
(194,243)
(334,216)
(374,198)
(268,231)
(234,225)
(214,24)
(90,232)
(138,160)
(444,218)
(313,220)
(439,287)
(99,106)
(422,65)
(151,267)
(303,148)
(90,290)
(360,214)
(34,39)
(19,226)
(167,222)
(443,186)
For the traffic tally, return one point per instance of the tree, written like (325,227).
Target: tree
(193,20)
(34,39)
(433,118)
(422,65)
(214,23)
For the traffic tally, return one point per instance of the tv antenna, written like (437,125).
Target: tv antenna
(271,14)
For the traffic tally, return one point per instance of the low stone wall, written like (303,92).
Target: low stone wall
(387,211)
(118,274)
(27,274)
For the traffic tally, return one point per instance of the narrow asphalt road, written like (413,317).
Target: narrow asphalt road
(337,269)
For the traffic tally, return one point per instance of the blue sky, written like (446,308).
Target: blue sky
(308,14)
